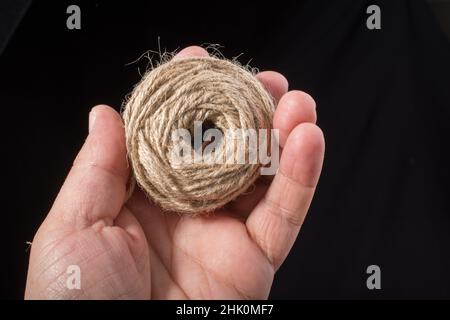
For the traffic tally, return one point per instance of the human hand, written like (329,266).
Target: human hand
(132,250)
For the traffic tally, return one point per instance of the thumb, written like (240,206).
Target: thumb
(95,187)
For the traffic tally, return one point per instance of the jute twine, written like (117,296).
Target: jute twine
(174,95)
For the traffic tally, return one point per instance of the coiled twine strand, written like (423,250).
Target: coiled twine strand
(173,96)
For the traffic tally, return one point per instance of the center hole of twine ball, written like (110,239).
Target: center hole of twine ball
(205,126)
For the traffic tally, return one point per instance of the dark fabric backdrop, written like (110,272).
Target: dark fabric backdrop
(383,101)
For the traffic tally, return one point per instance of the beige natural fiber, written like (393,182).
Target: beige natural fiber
(174,95)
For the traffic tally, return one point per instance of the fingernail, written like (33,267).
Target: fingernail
(92,116)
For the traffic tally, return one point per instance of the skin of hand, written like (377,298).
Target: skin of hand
(132,250)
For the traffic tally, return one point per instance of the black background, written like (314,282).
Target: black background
(383,102)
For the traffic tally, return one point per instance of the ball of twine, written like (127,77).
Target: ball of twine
(175,95)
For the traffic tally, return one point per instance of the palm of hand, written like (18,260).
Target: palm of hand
(159,255)
(203,257)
